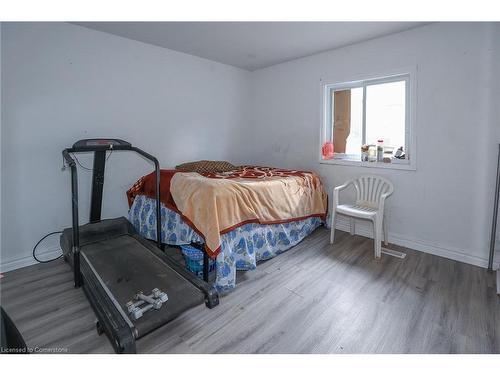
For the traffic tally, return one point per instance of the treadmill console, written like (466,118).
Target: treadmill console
(100,142)
(96,143)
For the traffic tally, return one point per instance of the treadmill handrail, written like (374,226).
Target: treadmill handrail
(157,191)
(74,212)
(74,195)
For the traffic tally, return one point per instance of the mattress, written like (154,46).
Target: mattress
(216,203)
(240,248)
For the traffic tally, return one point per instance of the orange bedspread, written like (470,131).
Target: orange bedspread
(214,204)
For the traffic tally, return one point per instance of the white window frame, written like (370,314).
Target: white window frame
(327,85)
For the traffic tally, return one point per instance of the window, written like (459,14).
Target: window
(361,118)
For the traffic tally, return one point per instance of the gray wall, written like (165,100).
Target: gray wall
(495,119)
(444,207)
(63,82)
(1,131)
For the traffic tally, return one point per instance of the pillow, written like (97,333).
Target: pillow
(206,166)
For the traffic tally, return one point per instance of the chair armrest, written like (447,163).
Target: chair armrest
(382,201)
(338,189)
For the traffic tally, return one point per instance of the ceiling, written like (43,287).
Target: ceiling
(250,45)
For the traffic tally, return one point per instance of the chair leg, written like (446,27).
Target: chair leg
(332,231)
(377,236)
(386,234)
(352,228)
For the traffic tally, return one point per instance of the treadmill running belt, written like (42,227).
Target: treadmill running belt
(127,267)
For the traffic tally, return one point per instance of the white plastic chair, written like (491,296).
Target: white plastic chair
(371,192)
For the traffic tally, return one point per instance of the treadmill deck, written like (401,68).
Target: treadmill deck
(126,267)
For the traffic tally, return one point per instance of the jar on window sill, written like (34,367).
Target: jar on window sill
(364,152)
(372,153)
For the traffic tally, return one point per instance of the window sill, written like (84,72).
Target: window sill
(369,164)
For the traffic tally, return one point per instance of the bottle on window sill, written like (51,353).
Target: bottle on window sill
(327,150)
(380,150)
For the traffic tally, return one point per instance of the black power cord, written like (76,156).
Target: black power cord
(83,166)
(87,168)
(57,232)
(38,243)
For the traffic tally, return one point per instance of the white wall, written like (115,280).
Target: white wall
(63,82)
(1,127)
(443,207)
(495,113)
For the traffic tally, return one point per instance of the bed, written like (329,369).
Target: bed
(243,216)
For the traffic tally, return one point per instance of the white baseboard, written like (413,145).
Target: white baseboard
(460,255)
(29,261)
(343,225)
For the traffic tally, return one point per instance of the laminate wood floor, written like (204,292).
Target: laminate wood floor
(315,298)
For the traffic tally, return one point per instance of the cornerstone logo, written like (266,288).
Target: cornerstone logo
(34,350)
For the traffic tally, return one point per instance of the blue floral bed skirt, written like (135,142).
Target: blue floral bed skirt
(241,248)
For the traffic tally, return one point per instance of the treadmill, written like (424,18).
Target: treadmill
(133,286)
